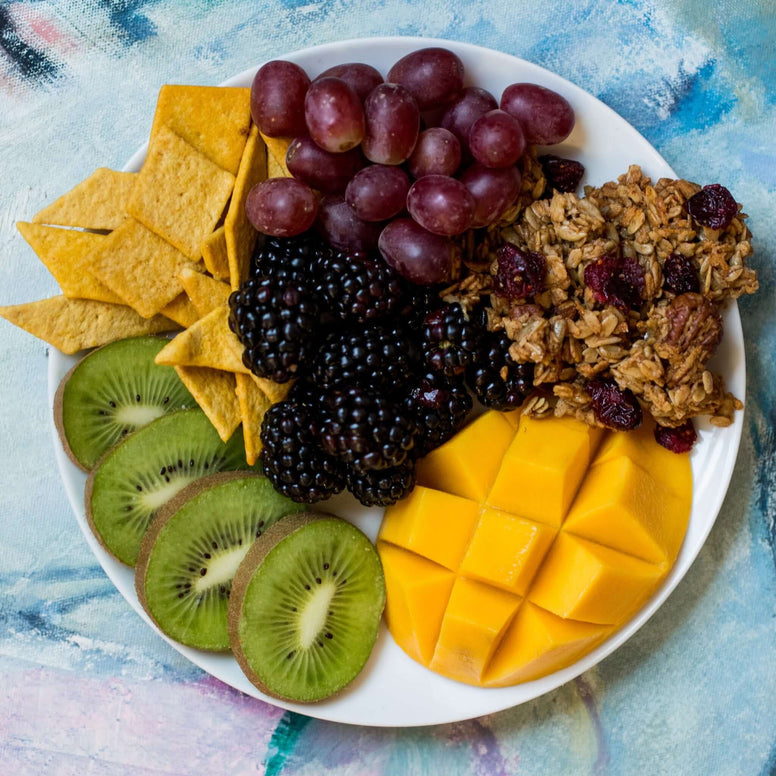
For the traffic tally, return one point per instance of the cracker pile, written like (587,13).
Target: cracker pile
(162,249)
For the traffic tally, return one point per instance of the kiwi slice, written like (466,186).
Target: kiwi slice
(142,473)
(192,549)
(305,607)
(115,390)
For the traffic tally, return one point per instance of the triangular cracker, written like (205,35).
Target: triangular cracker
(214,391)
(98,202)
(275,392)
(67,253)
(240,234)
(274,170)
(205,292)
(181,310)
(180,194)
(253,406)
(140,267)
(214,254)
(74,324)
(277,147)
(213,119)
(209,342)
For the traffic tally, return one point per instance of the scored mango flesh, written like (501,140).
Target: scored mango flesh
(528,542)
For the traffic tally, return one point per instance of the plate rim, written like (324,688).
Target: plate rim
(324,711)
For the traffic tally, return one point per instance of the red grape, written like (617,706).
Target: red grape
(496,139)
(322,170)
(281,207)
(494,191)
(378,192)
(437,152)
(359,77)
(546,117)
(334,115)
(416,254)
(277,98)
(392,124)
(459,117)
(434,76)
(441,204)
(343,229)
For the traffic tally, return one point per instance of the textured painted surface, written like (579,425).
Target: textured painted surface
(86,688)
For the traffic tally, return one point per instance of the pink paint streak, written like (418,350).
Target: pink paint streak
(68,720)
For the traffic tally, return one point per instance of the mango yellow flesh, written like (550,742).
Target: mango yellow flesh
(527,543)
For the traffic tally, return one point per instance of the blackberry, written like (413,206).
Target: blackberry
(497,380)
(451,341)
(366,429)
(369,355)
(277,320)
(383,487)
(290,257)
(439,406)
(291,456)
(359,288)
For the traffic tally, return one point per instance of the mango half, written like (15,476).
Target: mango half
(528,542)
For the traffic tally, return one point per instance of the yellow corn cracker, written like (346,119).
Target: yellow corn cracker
(277,147)
(213,119)
(275,392)
(180,194)
(274,170)
(99,202)
(253,405)
(67,253)
(205,292)
(209,342)
(214,391)
(240,233)
(140,267)
(214,254)
(74,324)
(181,310)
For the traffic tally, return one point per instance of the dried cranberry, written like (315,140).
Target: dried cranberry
(520,273)
(614,407)
(616,280)
(679,275)
(712,206)
(677,440)
(562,174)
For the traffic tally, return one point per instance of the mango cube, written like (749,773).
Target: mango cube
(433,524)
(623,507)
(543,467)
(506,550)
(538,643)
(475,619)
(466,465)
(671,471)
(581,580)
(417,594)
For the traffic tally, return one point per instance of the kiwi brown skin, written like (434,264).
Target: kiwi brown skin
(58,417)
(258,551)
(163,517)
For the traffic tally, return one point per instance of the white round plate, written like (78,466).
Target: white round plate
(393,690)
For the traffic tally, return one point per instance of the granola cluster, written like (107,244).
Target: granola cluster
(632,290)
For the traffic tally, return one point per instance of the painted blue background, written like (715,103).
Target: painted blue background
(86,688)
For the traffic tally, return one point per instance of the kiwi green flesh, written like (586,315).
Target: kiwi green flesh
(112,392)
(184,576)
(308,618)
(152,465)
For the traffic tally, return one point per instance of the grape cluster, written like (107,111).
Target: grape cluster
(381,369)
(402,164)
